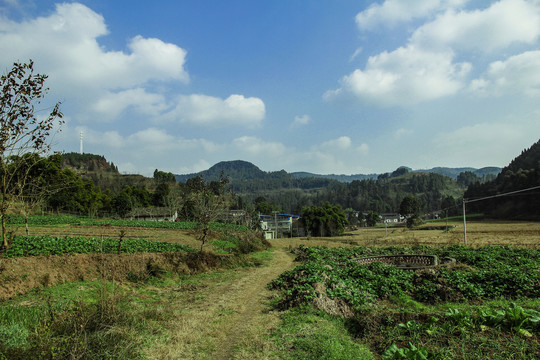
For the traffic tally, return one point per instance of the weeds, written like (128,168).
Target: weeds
(308,334)
(77,329)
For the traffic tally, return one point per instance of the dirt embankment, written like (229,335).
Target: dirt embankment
(20,275)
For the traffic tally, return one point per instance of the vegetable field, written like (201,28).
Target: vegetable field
(49,245)
(492,293)
(49,220)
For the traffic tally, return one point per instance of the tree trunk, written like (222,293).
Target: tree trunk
(4,238)
(26,224)
(203,238)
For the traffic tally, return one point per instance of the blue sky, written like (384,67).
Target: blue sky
(337,86)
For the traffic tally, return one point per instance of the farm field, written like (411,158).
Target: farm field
(223,309)
(479,233)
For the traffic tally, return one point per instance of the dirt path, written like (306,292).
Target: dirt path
(226,318)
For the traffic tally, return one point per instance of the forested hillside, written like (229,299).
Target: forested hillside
(521,174)
(87,163)
(101,189)
(102,173)
(290,193)
(386,193)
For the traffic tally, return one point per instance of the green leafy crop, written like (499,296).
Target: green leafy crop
(49,245)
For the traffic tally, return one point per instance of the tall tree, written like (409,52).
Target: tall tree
(325,220)
(21,131)
(372,218)
(209,200)
(410,208)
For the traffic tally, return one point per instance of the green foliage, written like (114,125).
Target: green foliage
(409,353)
(87,162)
(292,192)
(410,208)
(522,173)
(164,177)
(492,272)
(467,178)
(99,328)
(372,218)
(514,318)
(305,334)
(325,220)
(53,220)
(431,329)
(264,207)
(48,245)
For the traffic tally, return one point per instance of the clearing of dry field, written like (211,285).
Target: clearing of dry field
(517,234)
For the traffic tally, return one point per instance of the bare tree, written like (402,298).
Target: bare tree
(38,179)
(209,201)
(21,131)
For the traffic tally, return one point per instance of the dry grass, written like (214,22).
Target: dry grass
(517,234)
(225,316)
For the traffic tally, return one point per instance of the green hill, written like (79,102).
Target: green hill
(291,192)
(521,174)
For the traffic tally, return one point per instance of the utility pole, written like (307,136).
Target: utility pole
(81,136)
(275,223)
(464,223)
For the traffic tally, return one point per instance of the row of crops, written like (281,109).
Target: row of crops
(486,273)
(55,220)
(484,307)
(50,245)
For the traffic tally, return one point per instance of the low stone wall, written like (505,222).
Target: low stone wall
(407,261)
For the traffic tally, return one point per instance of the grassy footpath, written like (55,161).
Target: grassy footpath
(142,320)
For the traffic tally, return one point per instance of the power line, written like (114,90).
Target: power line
(504,194)
(485,198)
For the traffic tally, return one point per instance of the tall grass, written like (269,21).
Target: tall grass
(97,328)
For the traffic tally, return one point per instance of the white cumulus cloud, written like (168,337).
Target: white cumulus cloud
(111,105)
(363,149)
(65,46)
(500,25)
(208,110)
(252,146)
(440,55)
(515,75)
(391,12)
(341,143)
(408,75)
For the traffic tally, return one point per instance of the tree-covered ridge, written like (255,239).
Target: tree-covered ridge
(244,177)
(381,194)
(341,178)
(454,172)
(529,159)
(386,193)
(87,162)
(522,173)
(237,170)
